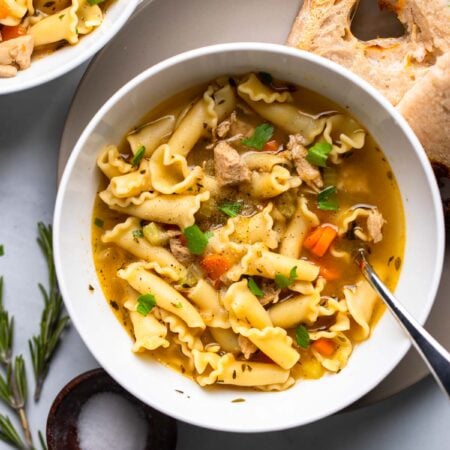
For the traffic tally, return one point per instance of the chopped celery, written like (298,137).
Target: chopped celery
(155,234)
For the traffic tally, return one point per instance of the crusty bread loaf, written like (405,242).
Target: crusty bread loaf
(401,68)
(426,106)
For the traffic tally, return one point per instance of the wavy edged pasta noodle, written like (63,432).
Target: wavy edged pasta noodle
(226,262)
(34,27)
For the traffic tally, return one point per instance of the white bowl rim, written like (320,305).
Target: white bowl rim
(363,85)
(78,59)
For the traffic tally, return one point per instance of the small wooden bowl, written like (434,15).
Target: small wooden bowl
(63,416)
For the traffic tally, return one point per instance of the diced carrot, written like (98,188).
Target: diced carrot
(320,239)
(326,347)
(312,238)
(12,32)
(329,273)
(271,146)
(215,265)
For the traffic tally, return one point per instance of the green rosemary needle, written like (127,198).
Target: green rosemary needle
(13,384)
(43,345)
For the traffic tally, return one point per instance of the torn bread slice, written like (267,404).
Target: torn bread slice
(392,65)
(426,106)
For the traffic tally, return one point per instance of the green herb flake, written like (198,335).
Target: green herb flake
(327,199)
(146,303)
(2,250)
(283,282)
(178,305)
(318,154)
(302,336)
(95,2)
(260,137)
(138,233)
(231,209)
(137,158)
(196,239)
(99,222)
(254,288)
(61,17)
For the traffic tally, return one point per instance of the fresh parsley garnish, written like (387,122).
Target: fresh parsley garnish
(327,199)
(99,222)
(231,209)
(146,303)
(260,136)
(318,154)
(196,239)
(302,336)
(283,282)
(138,233)
(2,250)
(254,288)
(137,158)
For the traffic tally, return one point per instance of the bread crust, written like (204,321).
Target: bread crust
(412,71)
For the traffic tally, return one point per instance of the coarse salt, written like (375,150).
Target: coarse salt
(110,422)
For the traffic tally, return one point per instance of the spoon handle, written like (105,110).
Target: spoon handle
(433,353)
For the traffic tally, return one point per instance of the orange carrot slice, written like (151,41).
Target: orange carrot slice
(326,347)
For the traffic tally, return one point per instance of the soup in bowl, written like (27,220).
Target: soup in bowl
(213,206)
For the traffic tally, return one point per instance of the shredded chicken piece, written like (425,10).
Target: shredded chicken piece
(15,53)
(224,127)
(247,346)
(375,222)
(307,172)
(271,294)
(242,128)
(180,251)
(228,165)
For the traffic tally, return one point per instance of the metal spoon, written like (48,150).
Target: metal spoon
(435,356)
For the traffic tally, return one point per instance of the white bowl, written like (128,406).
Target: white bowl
(156,384)
(67,58)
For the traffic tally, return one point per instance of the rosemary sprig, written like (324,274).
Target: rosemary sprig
(6,332)
(42,441)
(44,345)
(13,385)
(9,434)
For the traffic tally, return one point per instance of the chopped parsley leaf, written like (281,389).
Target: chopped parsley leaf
(196,239)
(318,154)
(260,137)
(283,282)
(254,288)
(302,336)
(146,303)
(140,152)
(327,199)
(231,209)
